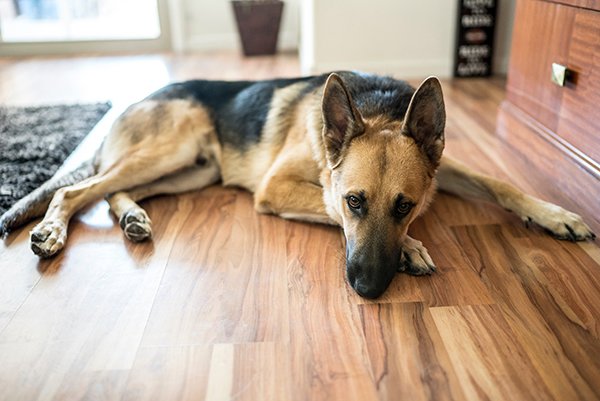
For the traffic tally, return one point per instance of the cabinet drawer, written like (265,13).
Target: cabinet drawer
(579,121)
(541,37)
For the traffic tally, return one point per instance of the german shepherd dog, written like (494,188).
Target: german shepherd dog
(356,150)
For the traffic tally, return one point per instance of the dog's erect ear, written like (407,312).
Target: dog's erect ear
(426,118)
(341,120)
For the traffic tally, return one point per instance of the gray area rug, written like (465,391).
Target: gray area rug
(35,141)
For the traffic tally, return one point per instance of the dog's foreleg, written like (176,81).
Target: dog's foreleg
(49,236)
(456,178)
(292,199)
(415,259)
(134,220)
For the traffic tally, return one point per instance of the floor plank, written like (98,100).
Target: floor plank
(408,359)
(483,351)
(178,373)
(565,356)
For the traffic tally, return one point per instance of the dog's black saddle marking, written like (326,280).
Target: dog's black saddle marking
(239,108)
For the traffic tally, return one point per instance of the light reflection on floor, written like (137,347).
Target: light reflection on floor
(97,215)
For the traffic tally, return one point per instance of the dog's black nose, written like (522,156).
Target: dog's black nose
(369,271)
(367,291)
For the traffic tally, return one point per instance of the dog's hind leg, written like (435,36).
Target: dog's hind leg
(134,220)
(456,178)
(144,165)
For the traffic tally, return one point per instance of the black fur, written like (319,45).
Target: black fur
(375,95)
(239,108)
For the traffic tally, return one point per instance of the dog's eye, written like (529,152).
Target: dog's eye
(353,202)
(403,207)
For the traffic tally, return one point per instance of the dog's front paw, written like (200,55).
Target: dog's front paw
(415,259)
(561,223)
(136,225)
(47,238)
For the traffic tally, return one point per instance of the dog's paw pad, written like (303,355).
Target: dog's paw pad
(415,260)
(136,225)
(47,238)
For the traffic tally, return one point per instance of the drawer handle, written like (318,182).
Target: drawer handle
(561,74)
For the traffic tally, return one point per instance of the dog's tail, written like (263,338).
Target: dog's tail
(35,204)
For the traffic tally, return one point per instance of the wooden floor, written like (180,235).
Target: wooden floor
(225,304)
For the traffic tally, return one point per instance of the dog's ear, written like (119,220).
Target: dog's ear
(341,120)
(426,119)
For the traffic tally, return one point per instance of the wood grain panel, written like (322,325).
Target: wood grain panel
(590,4)
(263,371)
(579,123)
(322,306)
(541,37)
(215,265)
(591,250)
(407,354)
(567,370)
(483,349)
(571,279)
(169,374)
(97,302)
(18,275)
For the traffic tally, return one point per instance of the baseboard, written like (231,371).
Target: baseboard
(288,40)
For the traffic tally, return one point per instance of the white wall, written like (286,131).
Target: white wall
(405,38)
(210,25)
(504,25)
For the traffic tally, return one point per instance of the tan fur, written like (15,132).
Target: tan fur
(291,186)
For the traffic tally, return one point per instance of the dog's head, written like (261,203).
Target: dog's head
(381,176)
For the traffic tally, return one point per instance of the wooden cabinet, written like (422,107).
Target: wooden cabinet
(579,122)
(565,32)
